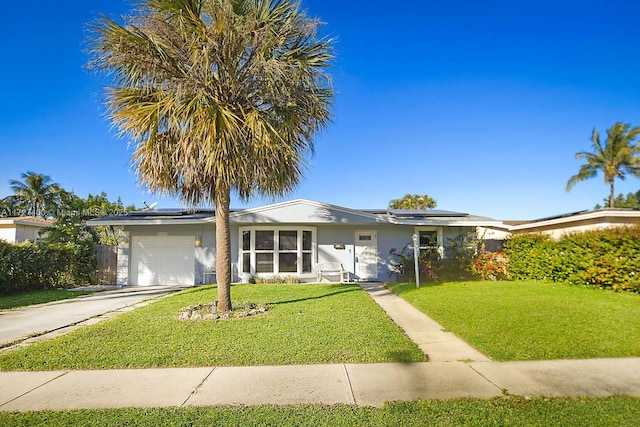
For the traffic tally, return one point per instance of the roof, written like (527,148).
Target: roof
(605,214)
(32,221)
(157,216)
(415,212)
(300,211)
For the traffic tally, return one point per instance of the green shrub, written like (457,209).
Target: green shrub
(458,260)
(35,266)
(455,265)
(404,265)
(529,256)
(608,258)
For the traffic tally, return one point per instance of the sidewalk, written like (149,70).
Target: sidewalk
(454,370)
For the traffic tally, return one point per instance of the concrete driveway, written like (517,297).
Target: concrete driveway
(21,323)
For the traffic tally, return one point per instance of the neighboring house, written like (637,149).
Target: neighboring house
(559,225)
(22,229)
(294,238)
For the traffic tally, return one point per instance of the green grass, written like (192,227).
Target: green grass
(532,320)
(611,411)
(306,324)
(8,302)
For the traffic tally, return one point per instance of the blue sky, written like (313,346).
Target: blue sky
(481,105)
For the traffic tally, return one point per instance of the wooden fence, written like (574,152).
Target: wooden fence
(107,258)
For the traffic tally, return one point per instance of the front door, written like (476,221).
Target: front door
(366,252)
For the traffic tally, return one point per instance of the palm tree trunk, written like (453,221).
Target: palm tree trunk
(612,196)
(223,250)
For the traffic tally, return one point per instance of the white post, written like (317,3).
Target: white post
(416,255)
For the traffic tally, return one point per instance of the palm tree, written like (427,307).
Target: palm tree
(217,96)
(7,207)
(413,202)
(35,194)
(616,158)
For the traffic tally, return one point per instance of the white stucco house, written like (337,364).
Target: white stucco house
(22,229)
(293,238)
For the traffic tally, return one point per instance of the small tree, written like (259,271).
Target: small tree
(413,202)
(70,224)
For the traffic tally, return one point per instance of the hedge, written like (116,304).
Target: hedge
(34,266)
(608,258)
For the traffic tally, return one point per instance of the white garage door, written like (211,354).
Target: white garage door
(162,260)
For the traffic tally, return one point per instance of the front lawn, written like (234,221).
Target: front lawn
(305,324)
(533,320)
(616,411)
(8,302)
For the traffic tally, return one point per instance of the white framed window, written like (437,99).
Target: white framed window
(269,250)
(430,238)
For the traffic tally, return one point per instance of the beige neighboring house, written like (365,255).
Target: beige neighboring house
(559,225)
(22,228)
(576,222)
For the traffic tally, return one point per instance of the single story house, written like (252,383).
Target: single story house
(558,225)
(294,238)
(23,228)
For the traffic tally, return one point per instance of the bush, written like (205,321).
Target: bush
(608,258)
(404,267)
(34,266)
(455,265)
(490,265)
(529,256)
(458,260)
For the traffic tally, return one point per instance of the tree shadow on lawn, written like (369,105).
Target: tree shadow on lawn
(404,287)
(404,356)
(207,288)
(342,291)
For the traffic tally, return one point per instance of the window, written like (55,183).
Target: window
(277,250)
(430,240)
(288,251)
(264,251)
(246,251)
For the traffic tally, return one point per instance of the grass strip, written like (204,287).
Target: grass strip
(616,411)
(9,302)
(528,320)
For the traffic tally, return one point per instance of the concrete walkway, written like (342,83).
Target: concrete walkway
(454,370)
(438,345)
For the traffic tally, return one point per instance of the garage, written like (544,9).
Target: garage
(162,260)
